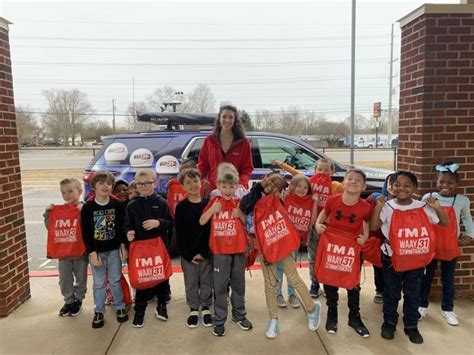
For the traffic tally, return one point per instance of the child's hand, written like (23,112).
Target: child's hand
(151,224)
(464,240)
(237,213)
(197,258)
(275,162)
(95,259)
(361,239)
(123,253)
(130,235)
(381,200)
(320,228)
(216,207)
(79,206)
(432,202)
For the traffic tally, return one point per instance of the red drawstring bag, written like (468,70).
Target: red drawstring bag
(251,252)
(64,233)
(412,239)
(338,259)
(276,235)
(299,211)
(228,235)
(174,195)
(371,251)
(446,246)
(127,296)
(321,184)
(148,263)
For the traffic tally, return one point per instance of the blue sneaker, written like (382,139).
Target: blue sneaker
(314,318)
(272,329)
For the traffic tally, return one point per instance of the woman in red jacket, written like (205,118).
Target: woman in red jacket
(227,143)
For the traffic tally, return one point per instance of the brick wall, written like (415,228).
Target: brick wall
(14,280)
(437,110)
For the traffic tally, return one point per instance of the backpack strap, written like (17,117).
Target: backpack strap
(454,200)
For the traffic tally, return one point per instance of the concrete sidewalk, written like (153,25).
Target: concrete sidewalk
(35,328)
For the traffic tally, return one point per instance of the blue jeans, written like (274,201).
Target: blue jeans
(279,277)
(111,265)
(410,282)
(447,281)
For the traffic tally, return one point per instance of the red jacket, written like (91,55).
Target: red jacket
(211,155)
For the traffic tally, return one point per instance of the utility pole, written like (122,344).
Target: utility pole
(113,116)
(353,31)
(390,93)
(133,97)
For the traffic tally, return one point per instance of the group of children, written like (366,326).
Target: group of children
(214,233)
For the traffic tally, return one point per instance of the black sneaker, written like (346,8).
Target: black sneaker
(331,321)
(65,310)
(244,324)
(193,319)
(219,330)
(161,312)
(98,321)
(138,320)
(414,335)
(359,327)
(314,290)
(76,308)
(388,331)
(207,318)
(122,316)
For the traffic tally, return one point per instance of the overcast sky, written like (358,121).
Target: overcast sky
(258,55)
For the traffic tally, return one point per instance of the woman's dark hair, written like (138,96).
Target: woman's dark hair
(408,174)
(237,128)
(448,165)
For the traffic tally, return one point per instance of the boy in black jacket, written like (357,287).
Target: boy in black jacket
(102,221)
(193,246)
(148,217)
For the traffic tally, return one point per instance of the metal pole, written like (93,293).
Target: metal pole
(353,80)
(113,116)
(390,83)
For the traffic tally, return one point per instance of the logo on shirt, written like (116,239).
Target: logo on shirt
(351,218)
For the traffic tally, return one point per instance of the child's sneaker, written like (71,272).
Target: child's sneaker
(294,302)
(193,319)
(331,321)
(138,320)
(272,329)
(414,335)
(65,310)
(122,316)
(388,331)
(98,321)
(161,312)
(244,324)
(315,291)
(378,299)
(314,318)
(423,311)
(281,301)
(219,330)
(207,318)
(359,327)
(450,317)
(76,308)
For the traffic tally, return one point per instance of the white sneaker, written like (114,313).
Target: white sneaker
(423,311)
(314,318)
(294,302)
(272,329)
(281,303)
(451,317)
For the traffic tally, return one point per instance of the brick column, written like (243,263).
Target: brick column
(14,280)
(437,105)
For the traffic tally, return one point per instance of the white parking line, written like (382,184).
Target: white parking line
(50,267)
(45,263)
(34,222)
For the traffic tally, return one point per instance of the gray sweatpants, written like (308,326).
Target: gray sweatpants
(229,268)
(73,278)
(313,241)
(198,283)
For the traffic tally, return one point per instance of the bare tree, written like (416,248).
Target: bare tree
(200,100)
(131,123)
(68,111)
(163,94)
(332,131)
(27,125)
